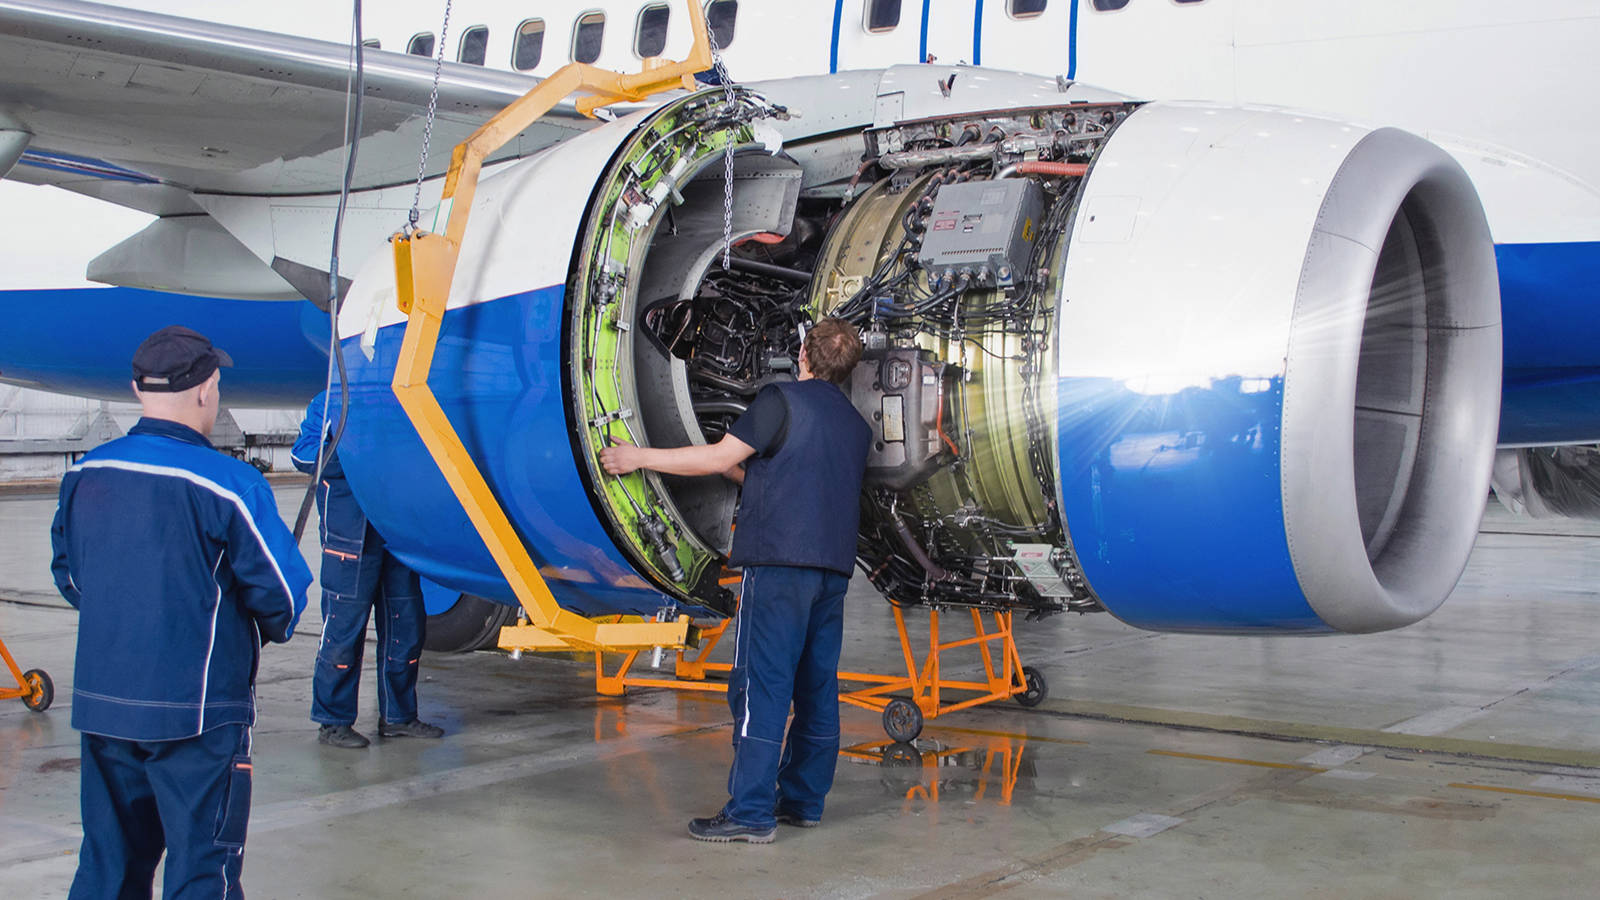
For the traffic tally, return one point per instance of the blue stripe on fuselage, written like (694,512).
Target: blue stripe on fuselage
(1072,43)
(833,49)
(80,341)
(1550,314)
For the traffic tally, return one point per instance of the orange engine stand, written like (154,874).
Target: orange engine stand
(1005,677)
(34,687)
(903,718)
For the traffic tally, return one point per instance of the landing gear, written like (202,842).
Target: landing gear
(472,623)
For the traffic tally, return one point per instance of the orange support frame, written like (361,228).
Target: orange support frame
(33,686)
(926,684)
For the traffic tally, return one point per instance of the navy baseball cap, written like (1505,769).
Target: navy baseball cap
(176,359)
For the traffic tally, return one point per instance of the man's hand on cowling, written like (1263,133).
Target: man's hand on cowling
(621,458)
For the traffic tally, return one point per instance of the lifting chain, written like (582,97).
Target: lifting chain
(727,152)
(427,125)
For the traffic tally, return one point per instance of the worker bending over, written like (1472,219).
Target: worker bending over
(806,448)
(360,577)
(180,569)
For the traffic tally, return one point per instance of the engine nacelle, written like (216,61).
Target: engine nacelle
(1279,364)
(1209,368)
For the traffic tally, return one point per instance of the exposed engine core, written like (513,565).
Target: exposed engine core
(946,266)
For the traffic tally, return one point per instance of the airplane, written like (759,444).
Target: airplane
(1234,346)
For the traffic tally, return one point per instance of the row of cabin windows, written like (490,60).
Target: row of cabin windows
(650,31)
(588,33)
(884,15)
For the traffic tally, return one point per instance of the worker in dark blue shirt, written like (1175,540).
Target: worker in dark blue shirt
(806,450)
(360,578)
(181,570)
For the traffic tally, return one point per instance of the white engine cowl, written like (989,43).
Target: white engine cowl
(1279,371)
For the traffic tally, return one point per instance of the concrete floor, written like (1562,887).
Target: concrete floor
(1457,757)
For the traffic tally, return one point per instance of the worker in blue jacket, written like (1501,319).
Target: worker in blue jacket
(180,568)
(359,577)
(804,450)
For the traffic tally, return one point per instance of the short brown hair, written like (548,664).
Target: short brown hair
(832,349)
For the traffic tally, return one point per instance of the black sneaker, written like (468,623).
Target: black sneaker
(788,818)
(342,736)
(722,829)
(414,728)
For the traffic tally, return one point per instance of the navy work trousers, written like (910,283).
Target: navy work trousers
(189,797)
(790,626)
(355,586)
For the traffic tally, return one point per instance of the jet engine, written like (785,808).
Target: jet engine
(1208,368)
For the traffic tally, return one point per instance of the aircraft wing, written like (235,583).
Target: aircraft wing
(147,111)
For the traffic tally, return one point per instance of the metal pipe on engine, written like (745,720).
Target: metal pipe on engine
(916,159)
(757,267)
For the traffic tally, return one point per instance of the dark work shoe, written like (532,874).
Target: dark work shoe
(722,829)
(788,818)
(414,728)
(342,736)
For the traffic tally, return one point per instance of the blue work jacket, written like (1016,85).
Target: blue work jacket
(181,569)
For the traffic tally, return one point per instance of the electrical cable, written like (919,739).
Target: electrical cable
(355,89)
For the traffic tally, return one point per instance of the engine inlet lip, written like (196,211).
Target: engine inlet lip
(1391,173)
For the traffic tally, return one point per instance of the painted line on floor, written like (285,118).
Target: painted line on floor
(1496,789)
(1234,760)
(1330,734)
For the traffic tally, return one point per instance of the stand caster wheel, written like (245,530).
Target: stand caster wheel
(1036,688)
(902,720)
(43,690)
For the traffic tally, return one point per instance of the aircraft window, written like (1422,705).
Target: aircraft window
(883,15)
(1026,9)
(586,37)
(474,45)
(420,44)
(372,44)
(650,35)
(720,17)
(530,45)
(1109,5)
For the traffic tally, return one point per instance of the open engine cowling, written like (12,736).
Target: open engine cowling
(1208,368)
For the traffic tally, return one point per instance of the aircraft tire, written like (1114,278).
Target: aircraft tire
(473,623)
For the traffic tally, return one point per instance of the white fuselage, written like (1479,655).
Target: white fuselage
(1512,90)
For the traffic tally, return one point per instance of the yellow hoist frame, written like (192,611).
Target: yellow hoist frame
(425,265)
